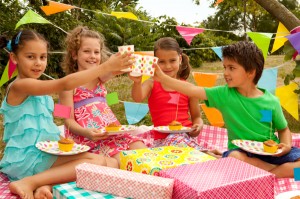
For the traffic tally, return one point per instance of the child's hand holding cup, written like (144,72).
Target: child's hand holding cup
(129,49)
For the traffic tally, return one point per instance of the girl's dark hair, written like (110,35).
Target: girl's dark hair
(19,40)
(169,43)
(248,55)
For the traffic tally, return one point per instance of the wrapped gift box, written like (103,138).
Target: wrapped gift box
(123,183)
(223,178)
(70,191)
(152,160)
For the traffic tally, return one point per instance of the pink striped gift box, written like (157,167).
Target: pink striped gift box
(224,178)
(123,183)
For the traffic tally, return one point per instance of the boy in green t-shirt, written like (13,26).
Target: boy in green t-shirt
(242,104)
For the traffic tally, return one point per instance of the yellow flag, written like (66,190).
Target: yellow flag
(145,77)
(289,99)
(4,77)
(205,79)
(55,7)
(128,15)
(280,37)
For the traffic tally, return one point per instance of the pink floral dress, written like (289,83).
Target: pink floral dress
(91,111)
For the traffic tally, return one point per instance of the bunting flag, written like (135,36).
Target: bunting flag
(218,2)
(205,79)
(297,174)
(213,115)
(55,7)
(266,115)
(135,112)
(262,40)
(31,17)
(145,77)
(112,98)
(218,51)
(128,15)
(62,111)
(289,99)
(280,37)
(5,75)
(11,68)
(174,98)
(188,33)
(295,40)
(268,80)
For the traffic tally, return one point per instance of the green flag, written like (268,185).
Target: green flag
(31,17)
(262,40)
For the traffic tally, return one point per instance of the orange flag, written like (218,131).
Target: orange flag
(218,1)
(55,7)
(205,79)
(213,115)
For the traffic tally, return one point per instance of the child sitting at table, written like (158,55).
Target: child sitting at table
(241,103)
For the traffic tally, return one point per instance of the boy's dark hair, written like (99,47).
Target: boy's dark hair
(169,43)
(19,39)
(248,55)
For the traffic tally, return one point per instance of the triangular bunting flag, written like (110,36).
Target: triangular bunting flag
(62,111)
(280,37)
(289,99)
(218,2)
(174,98)
(135,111)
(5,76)
(145,77)
(31,17)
(205,79)
(55,7)
(213,115)
(188,33)
(262,40)
(112,98)
(218,51)
(266,115)
(11,68)
(295,41)
(268,80)
(128,15)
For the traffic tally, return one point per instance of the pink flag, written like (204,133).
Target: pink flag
(62,111)
(11,68)
(174,98)
(188,33)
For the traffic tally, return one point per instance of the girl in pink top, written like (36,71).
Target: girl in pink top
(165,104)
(90,111)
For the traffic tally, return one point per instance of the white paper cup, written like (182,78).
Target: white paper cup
(127,48)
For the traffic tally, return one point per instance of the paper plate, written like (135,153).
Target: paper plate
(52,148)
(165,129)
(123,129)
(287,194)
(253,147)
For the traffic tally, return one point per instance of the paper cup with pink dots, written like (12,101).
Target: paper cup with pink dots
(143,65)
(127,49)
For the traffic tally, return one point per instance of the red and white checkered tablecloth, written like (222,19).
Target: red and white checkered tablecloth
(4,191)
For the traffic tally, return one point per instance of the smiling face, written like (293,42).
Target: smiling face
(89,53)
(235,75)
(169,61)
(31,59)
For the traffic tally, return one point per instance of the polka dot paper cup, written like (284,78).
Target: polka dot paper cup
(143,65)
(127,49)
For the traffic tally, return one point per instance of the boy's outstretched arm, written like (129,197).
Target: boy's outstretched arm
(180,86)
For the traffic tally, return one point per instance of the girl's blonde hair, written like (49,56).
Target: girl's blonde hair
(73,43)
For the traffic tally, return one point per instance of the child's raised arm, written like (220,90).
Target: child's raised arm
(140,91)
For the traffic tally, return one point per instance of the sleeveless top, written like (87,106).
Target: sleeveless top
(24,126)
(163,109)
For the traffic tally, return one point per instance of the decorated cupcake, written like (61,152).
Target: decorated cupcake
(65,144)
(270,146)
(175,126)
(113,127)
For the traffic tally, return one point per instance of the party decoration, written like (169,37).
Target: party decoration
(218,2)
(262,40)
(205,79)
(145,77)
(266,115)
(135,111)
(55,7)
(218,51)
(174,98)
(280,37)
(5,76)
(213,115)
(128,15)
(188,33)
(112,98)
(268,79)
(31,17)
(297,174)
(62,111)
(295,40)
(11,68)
(289,99)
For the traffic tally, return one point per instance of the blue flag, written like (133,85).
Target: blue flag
(218,51)
(268,80)
(297,174)
(135,111)
(266,115)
